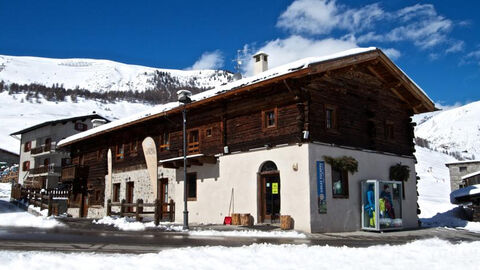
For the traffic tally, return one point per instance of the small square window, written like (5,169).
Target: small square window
(26,165)
(208,132)
(463,169)
(269,119)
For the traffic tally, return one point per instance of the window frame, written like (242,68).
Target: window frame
(209,132)
(389,130)
(120,156)
(189,143)
(190,198)
(164,144)
(26,165)
(334,117)
(116,192)
(27,146)
(343,181)
(265,119)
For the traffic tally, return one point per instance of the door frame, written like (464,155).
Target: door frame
(161,186)
(129,189)
(261,190)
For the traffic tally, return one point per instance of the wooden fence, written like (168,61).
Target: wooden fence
(44,200)
(137,210)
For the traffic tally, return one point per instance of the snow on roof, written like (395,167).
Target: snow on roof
(268,74)
(462,162)
(464,192)
(470,175)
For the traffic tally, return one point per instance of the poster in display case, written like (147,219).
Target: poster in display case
(381,205)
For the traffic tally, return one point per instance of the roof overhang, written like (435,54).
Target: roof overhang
(196,160)
(405,88)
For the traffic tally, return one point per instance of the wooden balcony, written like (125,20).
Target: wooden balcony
(35,182)
(72,172)
(43,149)
(45,170)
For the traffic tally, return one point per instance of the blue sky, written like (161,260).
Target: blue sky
(436,42)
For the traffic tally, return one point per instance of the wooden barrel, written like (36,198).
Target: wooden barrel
(235,219)
(246,220)
(286,222)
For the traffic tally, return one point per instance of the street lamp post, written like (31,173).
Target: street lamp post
(184,98)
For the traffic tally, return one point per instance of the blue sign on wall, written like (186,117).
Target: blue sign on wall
(321,194)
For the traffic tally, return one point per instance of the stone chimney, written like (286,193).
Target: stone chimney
(261,62)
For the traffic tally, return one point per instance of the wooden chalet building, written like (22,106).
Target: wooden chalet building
(260,144)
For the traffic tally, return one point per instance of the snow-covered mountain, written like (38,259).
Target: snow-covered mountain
(455,130)
(16,113)
(100,75)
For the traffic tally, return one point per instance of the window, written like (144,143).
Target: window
(27,146)
(165,141)
(193,142)
(46,162)
(339,183)
(269,119)
(134,148)
(120,152)
(192,186)
(116,192)
(208,132)
(26,165)
(66,161)
(389,130)
(330,117)
(463,169)
(80,126)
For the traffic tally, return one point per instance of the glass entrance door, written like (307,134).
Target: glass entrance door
(272,198)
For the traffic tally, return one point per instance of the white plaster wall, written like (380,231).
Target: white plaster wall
(345,214)
(239,171)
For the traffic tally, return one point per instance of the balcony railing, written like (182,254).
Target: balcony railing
(43,149)
(72,172)
(35,182)
(49,169)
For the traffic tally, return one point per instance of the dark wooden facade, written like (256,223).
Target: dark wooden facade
(368,101)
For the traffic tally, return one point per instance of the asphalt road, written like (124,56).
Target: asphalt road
(83,236)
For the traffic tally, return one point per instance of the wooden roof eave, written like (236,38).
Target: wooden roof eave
(425,104)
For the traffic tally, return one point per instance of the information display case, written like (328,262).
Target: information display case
(381,205)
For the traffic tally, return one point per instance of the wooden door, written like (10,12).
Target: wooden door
(129,195)
(270,198)
(162,195)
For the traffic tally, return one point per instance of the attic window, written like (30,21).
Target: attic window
(330,117)
(257,58)
(269,118)
(463,169)
(80,126)
(389,130)
(208,132)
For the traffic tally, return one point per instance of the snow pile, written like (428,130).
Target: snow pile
(249,233)
(455,130)
(423,254)
(129,224)
(434,192)
(11,215)
(97,75)
(5,191)
(17,114)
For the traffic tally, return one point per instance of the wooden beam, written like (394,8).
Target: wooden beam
(376,74)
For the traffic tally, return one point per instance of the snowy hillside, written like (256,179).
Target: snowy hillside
(17,114)
(98,75)
(455,130)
